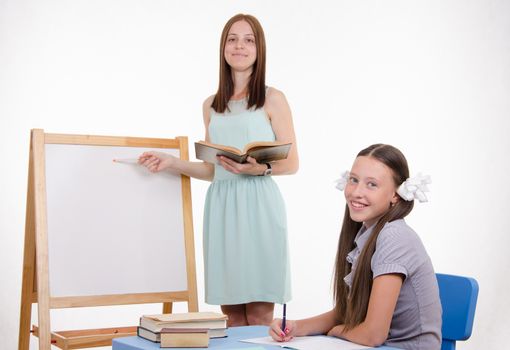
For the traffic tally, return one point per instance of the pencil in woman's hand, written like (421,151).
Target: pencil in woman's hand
(126,160)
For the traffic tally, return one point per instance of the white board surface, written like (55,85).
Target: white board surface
(113,228)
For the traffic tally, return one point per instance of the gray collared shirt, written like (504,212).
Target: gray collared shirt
(416,322)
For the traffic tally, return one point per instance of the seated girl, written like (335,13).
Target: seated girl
(385,288)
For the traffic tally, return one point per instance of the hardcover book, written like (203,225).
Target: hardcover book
(184,338)
(209,320)
(262,151)
(156,336)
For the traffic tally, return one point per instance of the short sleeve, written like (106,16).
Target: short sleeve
(396,251)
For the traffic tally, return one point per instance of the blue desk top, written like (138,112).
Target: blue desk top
(235,334)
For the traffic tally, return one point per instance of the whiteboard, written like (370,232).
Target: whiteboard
(113,228)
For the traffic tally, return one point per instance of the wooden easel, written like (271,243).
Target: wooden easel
(35,283)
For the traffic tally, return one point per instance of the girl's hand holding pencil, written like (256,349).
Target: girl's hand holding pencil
(281,335)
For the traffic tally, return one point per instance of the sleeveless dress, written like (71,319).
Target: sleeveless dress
(245,226)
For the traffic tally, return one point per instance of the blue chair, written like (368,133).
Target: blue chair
(458,298)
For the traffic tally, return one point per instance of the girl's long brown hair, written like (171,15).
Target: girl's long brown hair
(351,306)
(257,83)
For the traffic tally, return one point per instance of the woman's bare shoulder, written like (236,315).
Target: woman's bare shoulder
(274,95)
(208,102)
(206,109)
(275,101)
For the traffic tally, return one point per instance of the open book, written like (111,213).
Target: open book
(262,151)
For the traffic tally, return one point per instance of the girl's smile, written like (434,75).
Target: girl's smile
(357,205)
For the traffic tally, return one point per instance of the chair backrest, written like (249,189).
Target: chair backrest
(458,299)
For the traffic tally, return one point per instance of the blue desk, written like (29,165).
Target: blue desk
(235,334)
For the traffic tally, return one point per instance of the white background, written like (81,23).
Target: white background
(430,77)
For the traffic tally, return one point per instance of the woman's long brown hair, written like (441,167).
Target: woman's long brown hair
(351,306)
(257,83)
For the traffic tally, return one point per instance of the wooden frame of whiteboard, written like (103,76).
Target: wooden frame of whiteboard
(35,281)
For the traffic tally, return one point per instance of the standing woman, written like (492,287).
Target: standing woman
(245,229)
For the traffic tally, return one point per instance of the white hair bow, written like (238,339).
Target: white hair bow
(342,181)
(415,188)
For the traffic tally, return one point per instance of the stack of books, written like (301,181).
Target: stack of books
(151,326)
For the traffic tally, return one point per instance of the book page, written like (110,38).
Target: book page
(270,154)
(229,149)
(209,153)
(310,343)
(252,146)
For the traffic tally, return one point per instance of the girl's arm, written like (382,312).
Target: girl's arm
(158,161)
(320,324)
(280,116)
(381,305)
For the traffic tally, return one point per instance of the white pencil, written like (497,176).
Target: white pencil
(126,160)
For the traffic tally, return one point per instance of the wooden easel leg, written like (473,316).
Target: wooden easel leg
(188,231)
(167,308)
(192,302)
(41,239)
(27,287)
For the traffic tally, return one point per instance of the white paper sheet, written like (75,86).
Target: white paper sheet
(310,343)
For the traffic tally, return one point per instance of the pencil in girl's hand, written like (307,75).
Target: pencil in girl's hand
(126,160)
(284,319)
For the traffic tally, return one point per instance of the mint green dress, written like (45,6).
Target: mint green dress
(245,226)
